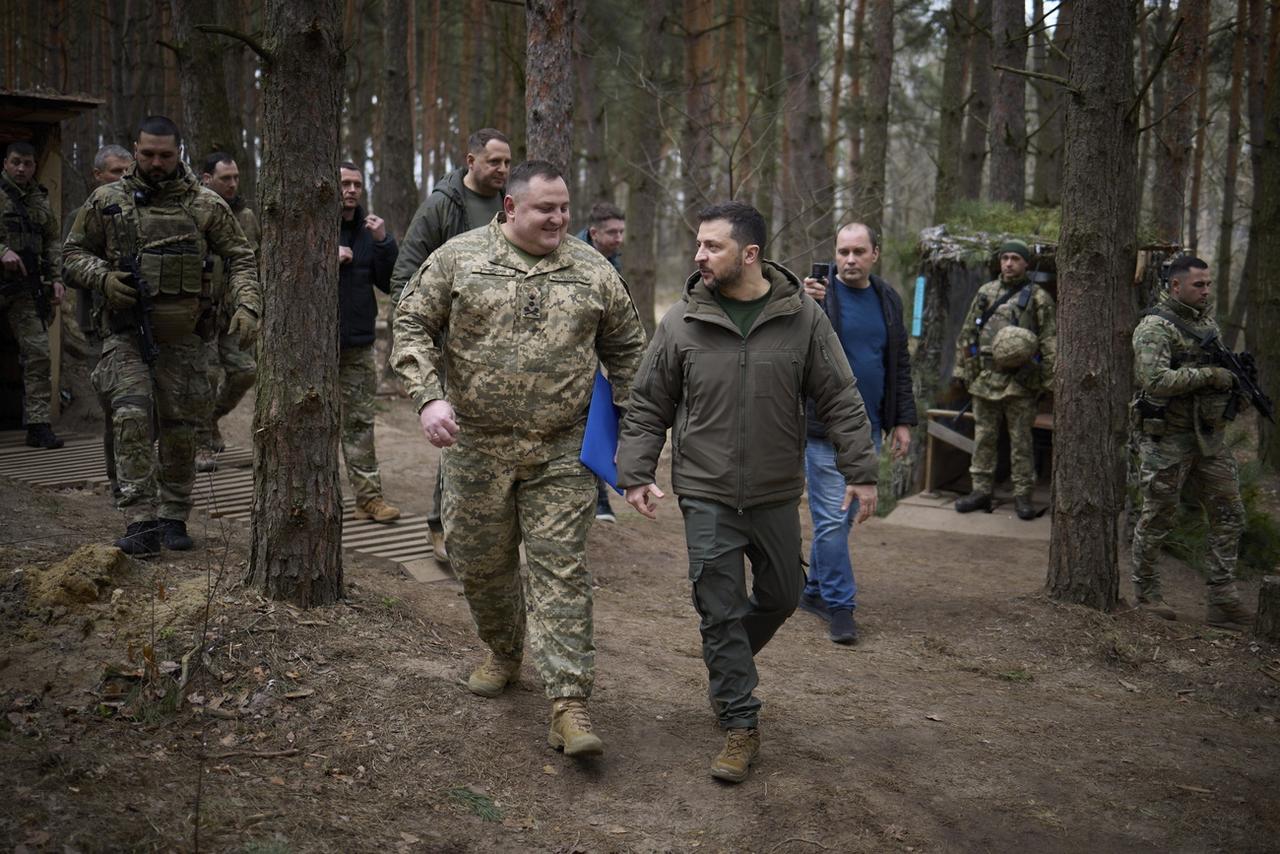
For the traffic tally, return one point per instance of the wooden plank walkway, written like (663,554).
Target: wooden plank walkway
(225,493)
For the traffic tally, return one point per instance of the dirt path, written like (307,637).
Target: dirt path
(973,716)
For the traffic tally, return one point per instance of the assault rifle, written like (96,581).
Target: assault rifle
(130,263)
(1242,366)
(34,284)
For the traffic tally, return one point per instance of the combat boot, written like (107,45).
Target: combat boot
(1229,615)
(206,460)
(1024,508)
(438,547)
(1155,605)
(571,728)
(141,539)
(173,535)
(495,674)
(42,436)
(741,746)
(974,501)
(377,509)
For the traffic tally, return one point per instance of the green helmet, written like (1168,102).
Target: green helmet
(1013,347)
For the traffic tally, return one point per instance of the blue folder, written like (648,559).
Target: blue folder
(600,441)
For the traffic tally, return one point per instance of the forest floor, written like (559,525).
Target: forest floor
(974,715)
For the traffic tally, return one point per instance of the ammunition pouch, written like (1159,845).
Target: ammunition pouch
(1147,416)
(175,269)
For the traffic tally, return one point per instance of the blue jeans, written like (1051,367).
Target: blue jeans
(830,569)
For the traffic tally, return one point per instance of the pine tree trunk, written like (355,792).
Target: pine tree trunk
(297,519)
(699,121)
(951,112)
(1201,140)
(1008,137)
(1095,315)
(597,185)
(1226,233)
(1046,190)
(853,113)
(1257,59)
(1264,294)
(807,191)
(208,121)
(398,197)
(548,99)
(979,106)
(1174,134)
(869,207)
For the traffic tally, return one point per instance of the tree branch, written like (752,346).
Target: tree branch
(1039,75)
(1169,111)
(173,47)
(253,43)
(1164,54)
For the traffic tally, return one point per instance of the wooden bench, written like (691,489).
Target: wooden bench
(949,444)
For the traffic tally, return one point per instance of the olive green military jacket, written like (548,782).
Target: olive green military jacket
(43,237)
(174,225)
(1173,373)
(523,342)
(980,375)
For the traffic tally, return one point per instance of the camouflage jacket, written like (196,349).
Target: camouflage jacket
(973,346)
(523,343)
(173,226)
(253,233)
(1172,373)
(37,231)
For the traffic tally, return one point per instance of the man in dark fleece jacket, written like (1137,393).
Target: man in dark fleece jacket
(366,256)
(728,371)
(463,200)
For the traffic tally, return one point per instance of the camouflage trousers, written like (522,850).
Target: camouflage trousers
(231,373)
(358,384)
(33,345)
(1018,414)
(154,485)
(1166,464)
(490,507)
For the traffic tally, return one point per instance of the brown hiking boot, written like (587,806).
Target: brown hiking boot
(1156,606)
(377,509)
(495,674)
(1229,615)
(571,728)
(438,547)
(741,746)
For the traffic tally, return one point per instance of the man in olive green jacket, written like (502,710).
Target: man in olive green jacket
(729,369)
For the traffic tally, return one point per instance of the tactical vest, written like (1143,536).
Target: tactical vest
(1201,409)
(171,256)
(21,233)
(1009,313)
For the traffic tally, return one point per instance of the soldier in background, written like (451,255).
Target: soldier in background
(160,219)
(30,251)
(530,315)
(464,199)
(232,370)
(1180,410)
(605,231)
(1005,355)
(366,256)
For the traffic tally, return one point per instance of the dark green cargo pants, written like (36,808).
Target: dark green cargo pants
(736,624)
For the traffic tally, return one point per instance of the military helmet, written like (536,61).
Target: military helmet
(1013,347)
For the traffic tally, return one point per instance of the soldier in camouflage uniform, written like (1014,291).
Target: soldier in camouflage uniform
(530,312)
(159,217)
(28,230)
(1179,412)
(232,370)
(1001,393)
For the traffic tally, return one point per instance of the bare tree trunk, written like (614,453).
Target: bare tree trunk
(699,122)
(767,58)
(1144,139)
(598,185)
(398,197)
(297,520)
(1095,315)
(1264,294)
(1201,140)
(808,193)
(1256,56)
(1174,133)
(548,99)
(869,206)
(979,106)
(1051,108)
(837,79)
(853,113)
(1008,179)
(951,112)
(1226,234)
(208,121)
(741,180)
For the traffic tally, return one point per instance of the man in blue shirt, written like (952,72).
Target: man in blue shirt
(866,313)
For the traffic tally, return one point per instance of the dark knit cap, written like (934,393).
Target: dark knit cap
(1016,246)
